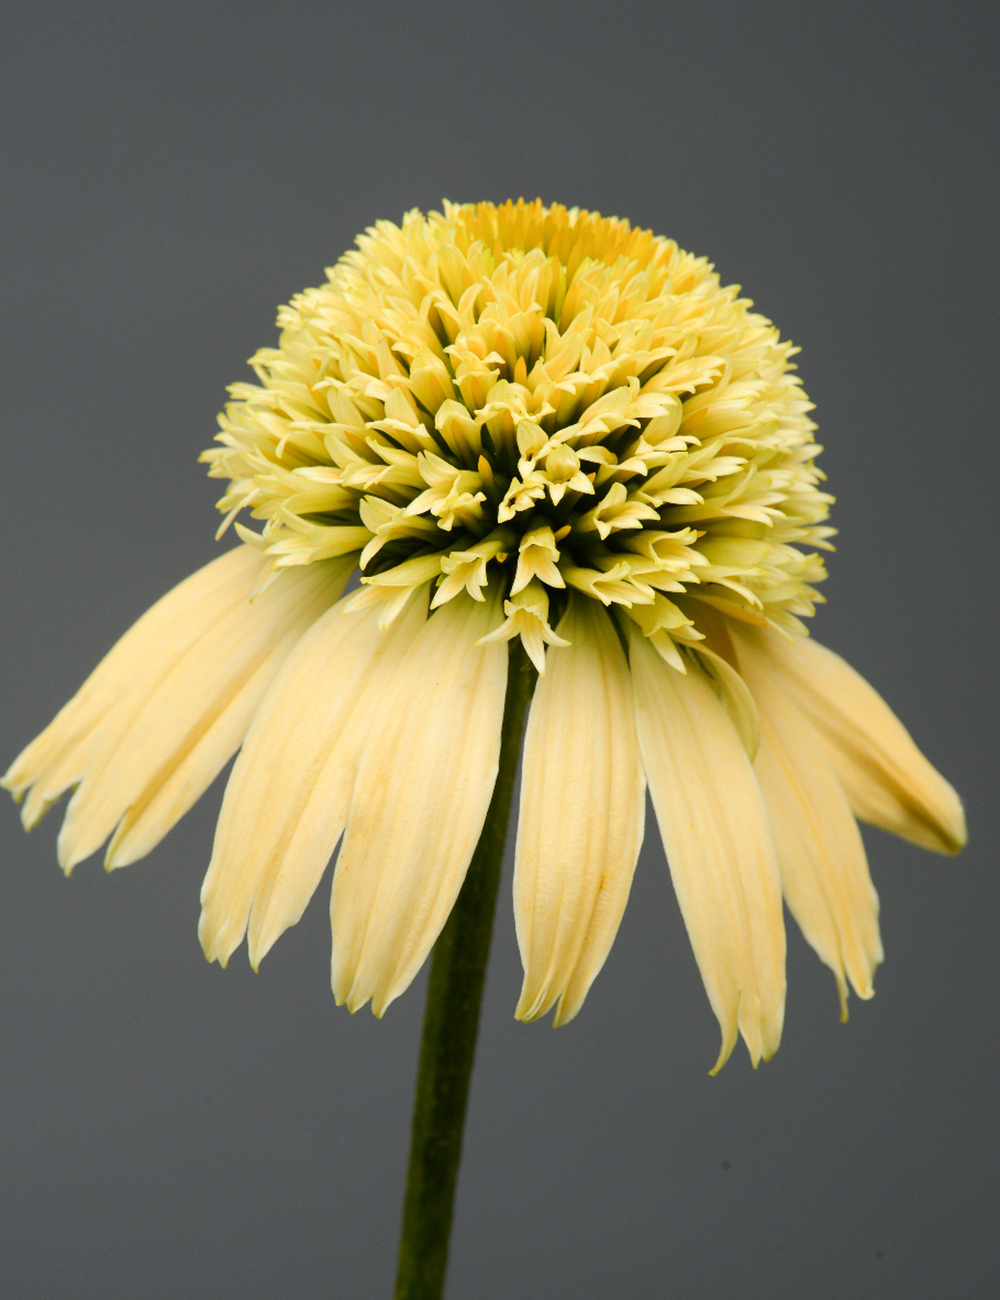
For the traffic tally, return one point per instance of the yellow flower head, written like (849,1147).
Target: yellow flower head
(492,396)
(529,422)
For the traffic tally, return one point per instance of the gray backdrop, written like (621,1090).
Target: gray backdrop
(172,173)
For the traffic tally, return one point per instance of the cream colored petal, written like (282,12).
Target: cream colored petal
(581,818)
(734,697)
(287,800)
(192,768)
(424,786)
(192,719)
(824,871)
(887,780)
(107,701)
(719,847)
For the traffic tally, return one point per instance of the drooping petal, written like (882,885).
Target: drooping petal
(188,723)
(581,816)
(824,871)
(719,847)
(734,697)
(287,799)
(887,780)
(423,788)
(110,697)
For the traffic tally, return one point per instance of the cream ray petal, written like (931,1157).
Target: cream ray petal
(287,799)
(170,738)
(719,847)
(735,698)
(887,780)
(423,788)
(176,789)
(824,871)
(60,755)
(162,804)
(581,816)
(283,903)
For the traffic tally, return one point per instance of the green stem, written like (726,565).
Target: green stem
(451,1020)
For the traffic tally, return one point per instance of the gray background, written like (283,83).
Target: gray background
(172,173)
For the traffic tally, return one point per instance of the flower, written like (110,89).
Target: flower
(516,422)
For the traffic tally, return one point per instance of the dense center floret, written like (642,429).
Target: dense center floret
(532,399)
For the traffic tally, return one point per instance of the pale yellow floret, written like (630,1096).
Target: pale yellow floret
(563,472)
(394,588)
(527,614)
(452,495)
(537,556)
(468,569)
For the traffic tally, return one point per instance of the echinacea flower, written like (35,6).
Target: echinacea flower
(518,422)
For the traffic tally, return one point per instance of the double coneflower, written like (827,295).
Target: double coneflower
(516,422)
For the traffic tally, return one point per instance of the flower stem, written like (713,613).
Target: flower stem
(451,1020)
